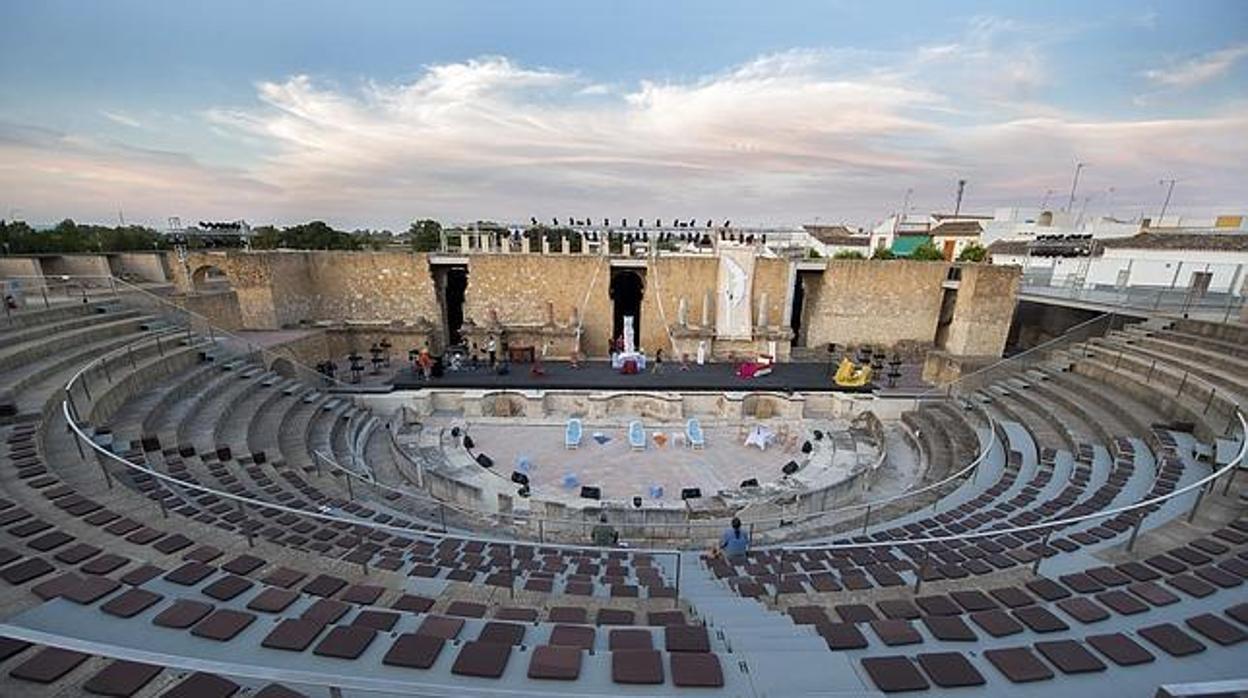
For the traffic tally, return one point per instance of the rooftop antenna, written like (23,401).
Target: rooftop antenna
(905,208)
(957,207)
(1166,204)
(1074,185)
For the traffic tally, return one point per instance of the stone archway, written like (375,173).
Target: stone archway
(209,278)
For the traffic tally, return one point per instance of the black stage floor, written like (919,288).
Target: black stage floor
(598,375)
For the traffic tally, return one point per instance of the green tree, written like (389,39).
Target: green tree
(973,252)
(926,252)
(317,235)
(425,235)
(848,254)
(16,237)
(813,254)
(883,253)
(266,237)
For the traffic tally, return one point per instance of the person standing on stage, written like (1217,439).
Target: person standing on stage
(491,348)
(426,364)
(658,361)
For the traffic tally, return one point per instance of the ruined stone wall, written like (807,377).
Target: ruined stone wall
(517,287)
(984,308)
(876,302)
(139,266)
(668,279)
(14,267)
(372,286)
(76,265)
(771,276)
(221,309)
(851,302)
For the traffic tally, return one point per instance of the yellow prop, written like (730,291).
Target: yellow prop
(849,376)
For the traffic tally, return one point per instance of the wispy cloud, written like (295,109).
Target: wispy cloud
(121,118)
(786,136)
(1197,70)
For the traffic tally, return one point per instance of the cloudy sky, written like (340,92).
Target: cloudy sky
(376,113)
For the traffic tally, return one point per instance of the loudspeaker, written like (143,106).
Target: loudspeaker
(637,502)
(691,493)
(807,447)
(468,443)
(259,458)
(523,491)
(588,492)
(818,435)
(790,467)
(455,432)
(752,482)
(150,443)
(223,453)
(519,478)
(485,461)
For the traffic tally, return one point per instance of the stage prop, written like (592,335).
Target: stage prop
(848,375)
(760,436)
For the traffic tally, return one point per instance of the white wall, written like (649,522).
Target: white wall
(1155,268)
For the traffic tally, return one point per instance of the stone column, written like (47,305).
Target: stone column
(762,309)
(682,312)
(565,245)
(707,300)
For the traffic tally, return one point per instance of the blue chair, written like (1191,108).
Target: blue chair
(572,434)
(694,435)
(636,436)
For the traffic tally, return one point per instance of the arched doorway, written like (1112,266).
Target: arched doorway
(284,368)
(627,289)
(209,279)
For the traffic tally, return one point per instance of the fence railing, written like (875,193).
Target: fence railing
(55,290)
(1212,291)
(229,346)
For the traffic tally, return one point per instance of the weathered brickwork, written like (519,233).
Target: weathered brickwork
(985,306)
(876,302)
(534,298)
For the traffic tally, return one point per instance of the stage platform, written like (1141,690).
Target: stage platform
(598,375)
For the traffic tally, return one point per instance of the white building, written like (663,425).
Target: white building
(950,233)
(831,240)
(1210,260)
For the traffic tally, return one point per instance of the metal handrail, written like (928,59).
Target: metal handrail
(113,283)
(865,505)
(1056,523)
(779,521)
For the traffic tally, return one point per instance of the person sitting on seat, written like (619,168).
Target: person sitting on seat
(734,542)
(604,534)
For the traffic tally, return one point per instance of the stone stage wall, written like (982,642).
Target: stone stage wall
(539,300)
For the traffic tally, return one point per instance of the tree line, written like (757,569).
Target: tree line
(18,237)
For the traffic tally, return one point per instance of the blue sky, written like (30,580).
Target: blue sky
(375,113)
